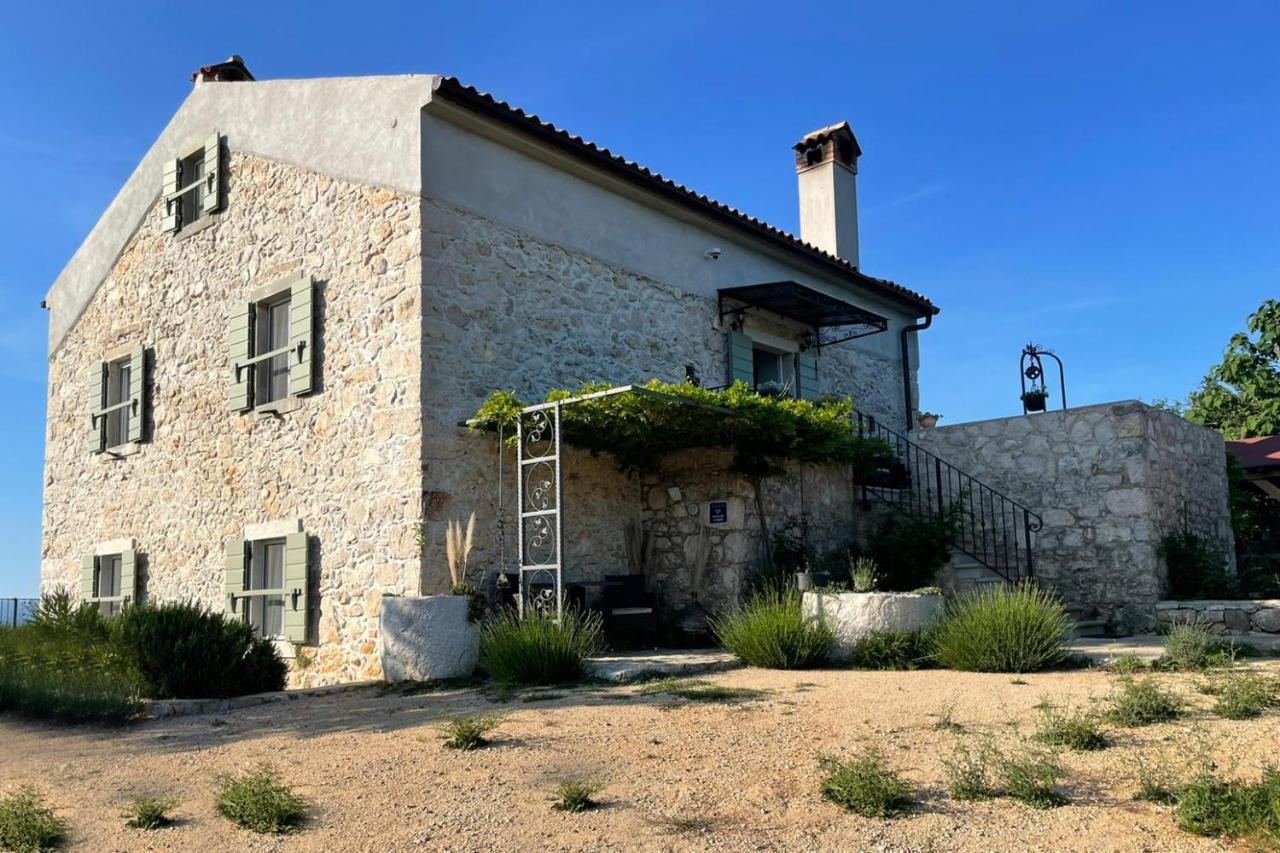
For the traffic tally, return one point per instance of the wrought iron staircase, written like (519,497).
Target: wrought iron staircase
(994,530)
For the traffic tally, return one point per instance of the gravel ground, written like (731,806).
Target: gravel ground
(677,775)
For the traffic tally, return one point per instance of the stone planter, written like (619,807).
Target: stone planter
(422,639)
(853,615)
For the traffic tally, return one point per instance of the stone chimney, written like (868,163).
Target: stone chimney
(827,168)
(231,71)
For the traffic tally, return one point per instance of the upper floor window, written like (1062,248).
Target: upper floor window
(271,342)
(117,401)
(193,185)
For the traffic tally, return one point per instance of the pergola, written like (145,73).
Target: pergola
(540,441)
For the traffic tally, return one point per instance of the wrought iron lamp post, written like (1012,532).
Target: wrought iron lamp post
(1035,396)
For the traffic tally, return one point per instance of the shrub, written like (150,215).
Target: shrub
(28,824)
(1211,806)
(1129,665)
(866,787)
(467,733)
(1190,646)
(1243,697)
(1075,729)
(184,651)
(909,549)
(1032,777)
(257,800)
(538,649)
(968,771)
(150,812)
(770,631)
(576,795)
(1142,703)
(1196,568)
(891,650)
(1002,629)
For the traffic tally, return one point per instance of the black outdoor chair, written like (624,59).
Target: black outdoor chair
(630,613)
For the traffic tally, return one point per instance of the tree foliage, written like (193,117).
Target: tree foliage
(1240,397)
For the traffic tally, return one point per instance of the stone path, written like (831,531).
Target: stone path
(662,663)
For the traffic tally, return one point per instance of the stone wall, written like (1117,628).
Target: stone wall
(1224,617)
(345,462)
(1109,481)
(503,310)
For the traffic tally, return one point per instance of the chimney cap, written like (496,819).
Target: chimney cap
(233,70)
(839,131)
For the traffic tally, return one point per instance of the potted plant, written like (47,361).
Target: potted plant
(1035,399)
(457,552)
(927,420)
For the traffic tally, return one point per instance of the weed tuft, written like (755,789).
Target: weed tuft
(576,795)
(1032,777)
(698,690)
(257,800)
(1076,729)
(150,812)
(1142,703)
(467,733)
(866,786)
(27,823)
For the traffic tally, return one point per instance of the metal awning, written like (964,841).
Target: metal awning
(801,303)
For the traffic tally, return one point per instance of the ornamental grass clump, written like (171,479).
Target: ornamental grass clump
(27,823)
(259,801)
(771,631)
(538,649)
(1002,629)
(866,786)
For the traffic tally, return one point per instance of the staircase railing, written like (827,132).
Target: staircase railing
(992,528)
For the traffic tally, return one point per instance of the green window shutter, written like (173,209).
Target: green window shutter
(171,206)
(213,173)
(807,376)
(129,575)
(233,575)
(239,351)
(97,380)
(301,337)
(137,393)
(88,577)
(741,361)
(295,587)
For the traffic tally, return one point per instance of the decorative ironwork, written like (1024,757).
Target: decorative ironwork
(831,320)
(995,530)
(1035,398)
(541,524)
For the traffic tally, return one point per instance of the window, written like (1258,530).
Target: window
(118,401)
(773,371)
(109,584)
(191,174)
(193,186)
(272,381)
(263,601)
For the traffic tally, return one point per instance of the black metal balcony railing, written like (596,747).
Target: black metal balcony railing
(15,611)
(992,528)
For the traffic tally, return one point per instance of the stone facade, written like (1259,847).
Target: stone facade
(345,462)
(506,311)
(1109,482)
(1224,617)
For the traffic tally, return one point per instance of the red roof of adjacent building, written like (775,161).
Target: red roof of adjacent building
(1254,453)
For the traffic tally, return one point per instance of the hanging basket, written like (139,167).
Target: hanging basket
(1034,401)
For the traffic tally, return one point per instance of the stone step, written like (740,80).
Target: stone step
(1089,628)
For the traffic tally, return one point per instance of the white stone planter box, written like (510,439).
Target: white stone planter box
(422,639)
(853,615)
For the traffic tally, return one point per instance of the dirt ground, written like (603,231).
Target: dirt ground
(677,775)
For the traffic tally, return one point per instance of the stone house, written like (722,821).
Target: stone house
(261,355)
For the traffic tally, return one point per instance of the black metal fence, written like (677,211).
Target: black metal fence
(992,528)
(15,611)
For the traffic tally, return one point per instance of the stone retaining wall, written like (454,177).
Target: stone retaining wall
(1109,481)
(1224,617)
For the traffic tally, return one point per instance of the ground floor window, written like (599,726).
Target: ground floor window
(773,371)
(108,584)
(263,598)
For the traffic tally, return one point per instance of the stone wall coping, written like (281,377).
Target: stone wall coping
(1214,604)
(1072,410)
(875,594)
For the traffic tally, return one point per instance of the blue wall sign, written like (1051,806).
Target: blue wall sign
(719,512)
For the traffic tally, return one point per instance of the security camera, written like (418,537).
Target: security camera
(713,254)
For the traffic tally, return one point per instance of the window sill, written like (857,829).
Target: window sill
(278,408)
(206,221)
(121,451)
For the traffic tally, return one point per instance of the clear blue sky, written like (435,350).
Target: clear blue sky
(1103,180)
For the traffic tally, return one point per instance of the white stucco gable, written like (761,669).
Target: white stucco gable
(363,129)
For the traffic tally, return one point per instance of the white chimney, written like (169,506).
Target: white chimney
(827,168)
